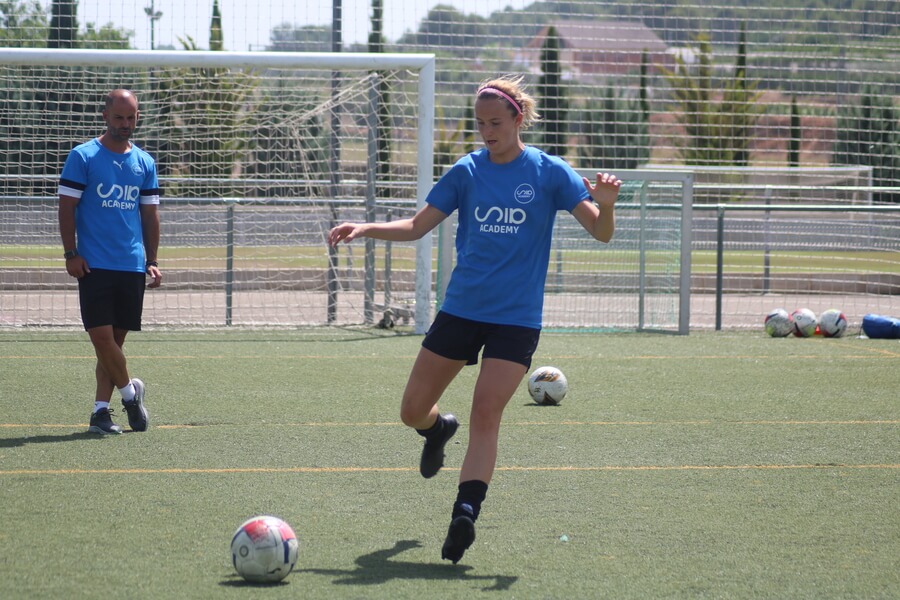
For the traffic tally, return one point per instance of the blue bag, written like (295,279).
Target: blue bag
(881,327)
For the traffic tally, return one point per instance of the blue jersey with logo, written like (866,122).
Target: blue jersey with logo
(110,188)
(506,217)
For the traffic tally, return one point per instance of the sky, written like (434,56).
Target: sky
(247,24)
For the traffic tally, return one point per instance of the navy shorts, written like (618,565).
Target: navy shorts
(461,339)
(112,298)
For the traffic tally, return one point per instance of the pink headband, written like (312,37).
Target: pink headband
(502,94)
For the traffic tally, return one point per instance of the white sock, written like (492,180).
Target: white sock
(127,391)
(98,404)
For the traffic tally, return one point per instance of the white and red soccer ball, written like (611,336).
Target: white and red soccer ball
(264,549)
(779,323)
(832,323)
(804,322)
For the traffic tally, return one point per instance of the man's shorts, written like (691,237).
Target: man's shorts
(461,339)
(112,298)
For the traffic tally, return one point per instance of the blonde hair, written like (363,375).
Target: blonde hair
(512,90)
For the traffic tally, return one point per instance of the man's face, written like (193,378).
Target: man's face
(121,118)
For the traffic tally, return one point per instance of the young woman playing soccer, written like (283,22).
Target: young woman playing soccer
(507,195)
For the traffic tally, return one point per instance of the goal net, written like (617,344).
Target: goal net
(639,281)
(259,154)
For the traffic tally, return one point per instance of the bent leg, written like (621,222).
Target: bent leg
(430,376)
(497,382)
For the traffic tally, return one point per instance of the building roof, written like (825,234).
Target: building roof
(603,35)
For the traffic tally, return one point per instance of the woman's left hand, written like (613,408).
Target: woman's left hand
(605,191)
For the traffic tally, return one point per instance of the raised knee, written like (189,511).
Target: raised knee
(406,416)
(412,417)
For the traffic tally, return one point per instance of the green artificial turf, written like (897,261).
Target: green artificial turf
(708,466)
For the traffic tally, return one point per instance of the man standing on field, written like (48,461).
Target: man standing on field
(109,225)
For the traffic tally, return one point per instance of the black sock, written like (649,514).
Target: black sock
(469,498)
(433,431)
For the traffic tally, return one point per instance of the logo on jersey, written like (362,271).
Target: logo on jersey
(524,193)
(118,164)
(500,220)
(137,169)
(123,197)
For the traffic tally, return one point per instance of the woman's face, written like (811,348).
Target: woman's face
(498,127)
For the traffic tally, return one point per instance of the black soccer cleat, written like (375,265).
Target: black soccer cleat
(433,452)
(460,536)
(137,414)
(102,423)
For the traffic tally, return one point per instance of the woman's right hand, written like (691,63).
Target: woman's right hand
(345,232)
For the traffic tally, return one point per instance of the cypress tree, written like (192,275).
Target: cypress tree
(552,95)
(63,24)
(216,40)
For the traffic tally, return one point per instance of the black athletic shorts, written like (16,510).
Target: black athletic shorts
(461,339)
(112,298)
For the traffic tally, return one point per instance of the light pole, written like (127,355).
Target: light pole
(154,16)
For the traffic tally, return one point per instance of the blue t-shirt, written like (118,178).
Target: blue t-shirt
(506,217)
(110,187)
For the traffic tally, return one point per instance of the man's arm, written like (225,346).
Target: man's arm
(76,266)
(150,228)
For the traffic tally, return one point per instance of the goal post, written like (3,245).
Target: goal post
(665,222)
(250,160)
(640,281)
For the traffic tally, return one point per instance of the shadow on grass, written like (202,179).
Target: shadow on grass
(236,581)
(377,567)
(46,439)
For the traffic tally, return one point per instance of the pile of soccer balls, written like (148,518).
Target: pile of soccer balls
(803,323)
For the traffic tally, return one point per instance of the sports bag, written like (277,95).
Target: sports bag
(881,327)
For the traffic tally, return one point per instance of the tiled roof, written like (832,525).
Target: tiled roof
(603,35)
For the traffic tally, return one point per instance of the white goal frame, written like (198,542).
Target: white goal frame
(684,179)
(424,64)
(682,202)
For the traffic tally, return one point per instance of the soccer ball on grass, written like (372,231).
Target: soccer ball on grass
(547,385)
(779,323)
(832,323)
(264,549)
(804,322)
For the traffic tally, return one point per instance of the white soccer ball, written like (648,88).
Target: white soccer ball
(779,323)
(832,323)
(547,385)
(264,549)
(804,322)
